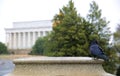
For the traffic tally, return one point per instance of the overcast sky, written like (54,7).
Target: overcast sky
(32,10)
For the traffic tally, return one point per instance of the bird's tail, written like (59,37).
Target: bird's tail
(104,57)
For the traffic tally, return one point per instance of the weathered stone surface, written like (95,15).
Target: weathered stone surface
(59,66)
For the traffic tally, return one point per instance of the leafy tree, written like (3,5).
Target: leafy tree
(38,48)
(3,48)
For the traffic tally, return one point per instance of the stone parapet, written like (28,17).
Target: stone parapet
(58,66)
(20,51)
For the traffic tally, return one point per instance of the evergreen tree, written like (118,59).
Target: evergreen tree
(117,38)
(72,34)
(49,45)
(118,71)
(99,25)
(101,30)
(38,48)
(116,45)
(68,33)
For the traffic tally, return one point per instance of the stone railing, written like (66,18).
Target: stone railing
(58,66)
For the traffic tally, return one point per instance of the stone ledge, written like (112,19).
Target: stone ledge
(58,66)
(58,60)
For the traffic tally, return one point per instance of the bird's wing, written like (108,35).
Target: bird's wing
(101,50)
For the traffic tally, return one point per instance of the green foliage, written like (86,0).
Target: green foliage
(101,29)
(72,34)
(3,48)
(113,60)
(49,45)
(43,46)
(38,48)
(69,35)
(117,39)
(118,71)
(99,25)
(116,44)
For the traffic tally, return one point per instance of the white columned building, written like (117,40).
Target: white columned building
(24,34)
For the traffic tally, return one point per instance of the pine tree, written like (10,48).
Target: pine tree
(117,38)
(101,30)
(38,48)
(68,33)
(100,25)
(118,72)
(72,34)
(116,45)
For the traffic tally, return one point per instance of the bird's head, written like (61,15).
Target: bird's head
(94,42)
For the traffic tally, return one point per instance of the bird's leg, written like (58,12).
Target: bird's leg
(95,58)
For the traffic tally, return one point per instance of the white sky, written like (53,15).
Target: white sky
(31,10)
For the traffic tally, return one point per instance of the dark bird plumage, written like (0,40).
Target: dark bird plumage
(97,51)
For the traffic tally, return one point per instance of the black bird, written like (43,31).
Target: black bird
(97,51)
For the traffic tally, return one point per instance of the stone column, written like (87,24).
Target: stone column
(26,40)
(44,33)
(29,40)
(19,40)
(10,41)
(33,38)
(36,37)
(23,40)
(38,33)
(7,39)
(14,40)
(41,33)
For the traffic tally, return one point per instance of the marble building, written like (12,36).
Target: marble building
(24,34)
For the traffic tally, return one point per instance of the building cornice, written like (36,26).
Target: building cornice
(27,28)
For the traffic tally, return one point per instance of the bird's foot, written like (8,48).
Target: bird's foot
(95,58)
